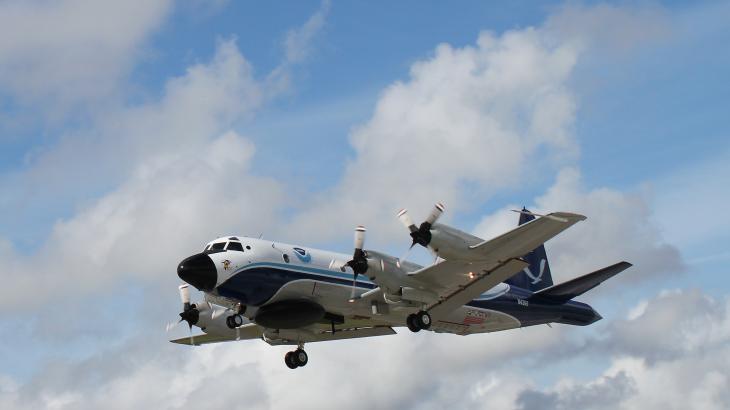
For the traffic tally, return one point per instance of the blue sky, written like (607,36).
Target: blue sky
(131,134)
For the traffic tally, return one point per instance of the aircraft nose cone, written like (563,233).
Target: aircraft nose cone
(199,271)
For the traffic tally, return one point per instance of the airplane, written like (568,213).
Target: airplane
(291,295)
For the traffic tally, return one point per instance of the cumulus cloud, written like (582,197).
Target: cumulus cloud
(433,371)
(602,393)
(174,160)
(135,231)
(67,52)
(674,355)
(620,226)
(462,126)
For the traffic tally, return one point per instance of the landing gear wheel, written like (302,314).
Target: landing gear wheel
(411,322)
(423,320)
(300,357)
(289,360)
(234,321)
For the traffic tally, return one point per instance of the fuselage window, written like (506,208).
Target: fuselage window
(218,246)
(248,247)
(235,246)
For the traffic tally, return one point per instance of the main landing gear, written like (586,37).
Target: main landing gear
(297,358)
(418,321)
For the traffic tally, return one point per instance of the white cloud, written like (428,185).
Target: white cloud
(620,226)
(461,127)
(675,355)
(170,207)
(67,52)
(423,371)
(610,29)
(298,43)
(175,162)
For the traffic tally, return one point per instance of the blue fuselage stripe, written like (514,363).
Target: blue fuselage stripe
(258,282)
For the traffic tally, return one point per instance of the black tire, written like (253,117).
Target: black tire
(289,360)
(411,323)
(300,357)
(230,323)
(423,320)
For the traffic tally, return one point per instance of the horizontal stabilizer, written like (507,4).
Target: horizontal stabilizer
(568,290)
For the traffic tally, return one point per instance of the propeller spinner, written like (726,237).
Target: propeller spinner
(422,234)
(190,312)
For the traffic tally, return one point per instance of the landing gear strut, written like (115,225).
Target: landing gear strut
(296,358)
(418,321)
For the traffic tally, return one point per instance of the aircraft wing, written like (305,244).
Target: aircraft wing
(352,333)
(456,282)
(246,332)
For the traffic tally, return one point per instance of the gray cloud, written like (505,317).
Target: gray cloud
(606,393)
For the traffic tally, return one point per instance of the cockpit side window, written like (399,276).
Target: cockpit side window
(218,246)
(235,246)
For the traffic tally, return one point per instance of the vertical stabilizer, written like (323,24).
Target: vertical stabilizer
(536,276)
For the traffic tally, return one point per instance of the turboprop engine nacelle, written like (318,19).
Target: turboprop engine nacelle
(451,243)
(213,318)
(445,241)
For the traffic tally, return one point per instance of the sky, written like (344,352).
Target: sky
(132,133)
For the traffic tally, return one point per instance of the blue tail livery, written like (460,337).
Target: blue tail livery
(537,275)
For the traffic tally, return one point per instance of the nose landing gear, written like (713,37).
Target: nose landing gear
(234,321)
(296,358)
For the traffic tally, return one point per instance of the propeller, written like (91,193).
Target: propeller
(359,262)
(422,234)
(190,312)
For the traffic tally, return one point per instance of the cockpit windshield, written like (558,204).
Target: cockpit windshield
(234,246)
(225,245)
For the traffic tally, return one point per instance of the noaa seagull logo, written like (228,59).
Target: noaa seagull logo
(302,255)
(537,278)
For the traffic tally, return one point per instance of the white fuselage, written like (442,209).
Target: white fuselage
(312,275)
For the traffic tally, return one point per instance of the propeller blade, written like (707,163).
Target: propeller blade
(172,325)
(359,237)
(436,212)
(352,294)
(406,220)
(405,255)
(359,262)
(184,294)
(337,264)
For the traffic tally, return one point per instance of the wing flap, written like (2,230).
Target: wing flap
(246,332)
(483,281)
(353,333)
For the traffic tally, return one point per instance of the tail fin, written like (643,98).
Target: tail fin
(568,290)
(536,276)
